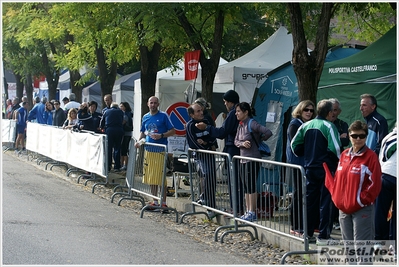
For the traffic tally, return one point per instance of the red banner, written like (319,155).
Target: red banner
(191,60)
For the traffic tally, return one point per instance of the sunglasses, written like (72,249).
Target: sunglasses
(356,136)
(307,110)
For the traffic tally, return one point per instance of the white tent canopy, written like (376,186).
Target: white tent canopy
(243,73)
(92,93)
(64,84)
(123,89)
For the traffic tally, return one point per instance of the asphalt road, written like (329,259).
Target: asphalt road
(50,221)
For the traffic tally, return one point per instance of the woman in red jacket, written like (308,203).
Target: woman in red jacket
(355,186)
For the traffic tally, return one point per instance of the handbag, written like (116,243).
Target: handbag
(263,148)
(180,166)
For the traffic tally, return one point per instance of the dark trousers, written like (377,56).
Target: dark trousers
(318,203)
(385,230)
(114,136)
(208,178)
(238,192)
(296,209)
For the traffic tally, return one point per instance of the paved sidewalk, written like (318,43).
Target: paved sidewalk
(183,204)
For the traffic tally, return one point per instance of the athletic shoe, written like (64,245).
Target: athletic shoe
(153,207)
(186,182)
(123,168)
(249,216)
(336,226)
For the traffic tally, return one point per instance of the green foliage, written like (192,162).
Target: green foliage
(70,32)
(247,30)
(364,22)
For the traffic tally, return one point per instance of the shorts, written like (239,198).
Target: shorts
(249,175)
(154,165)
(21,129)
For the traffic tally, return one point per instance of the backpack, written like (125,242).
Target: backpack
(263,148)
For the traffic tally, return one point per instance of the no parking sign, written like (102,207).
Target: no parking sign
(179,116)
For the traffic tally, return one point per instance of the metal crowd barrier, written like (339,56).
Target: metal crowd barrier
(141,160)
(211,170)
(132,165)
(8,134)
(270,179)
(275,192)
(85,151)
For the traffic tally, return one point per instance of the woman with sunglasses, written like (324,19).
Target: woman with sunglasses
(303,112)
(355,186)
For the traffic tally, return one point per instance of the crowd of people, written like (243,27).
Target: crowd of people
(359,181)
(350,169)
(116,121)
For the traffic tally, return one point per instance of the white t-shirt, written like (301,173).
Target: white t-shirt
(72,104)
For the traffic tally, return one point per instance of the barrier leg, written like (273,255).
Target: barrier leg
(235,231)
(118,193)
(84,176)
(133,196)
(282,261)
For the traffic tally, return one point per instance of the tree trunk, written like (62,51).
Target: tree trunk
(107,74)
(209,66)
(308,68)
(29,90)
(149,70)
(76,88)
(74,74)
(52,76)
(19,85)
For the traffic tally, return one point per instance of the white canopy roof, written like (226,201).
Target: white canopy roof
(243,73)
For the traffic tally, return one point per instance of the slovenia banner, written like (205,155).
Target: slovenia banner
(191,60)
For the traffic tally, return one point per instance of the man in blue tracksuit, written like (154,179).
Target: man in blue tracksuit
(228,132)
(37,111)
(377,124)
(111,123)
(318,141)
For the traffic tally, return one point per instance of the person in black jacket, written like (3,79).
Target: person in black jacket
(59,116)
(200,139)
(228,132)
(85,120)
(97,116)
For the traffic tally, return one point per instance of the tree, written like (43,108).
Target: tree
(317,28)
(366,22)
(247,31)
(309,66)
(23,61)
(99,39)
(205,33)
(33,17)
